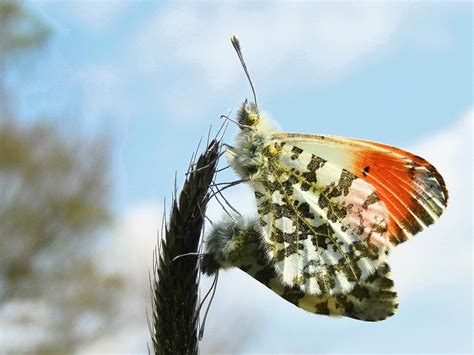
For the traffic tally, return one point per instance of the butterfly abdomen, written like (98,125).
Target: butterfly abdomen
(231,244)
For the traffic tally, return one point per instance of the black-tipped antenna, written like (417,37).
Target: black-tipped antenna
(236,44)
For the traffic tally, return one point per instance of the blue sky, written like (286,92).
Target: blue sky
(154,76)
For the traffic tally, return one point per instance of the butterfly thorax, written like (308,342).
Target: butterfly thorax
(247,156)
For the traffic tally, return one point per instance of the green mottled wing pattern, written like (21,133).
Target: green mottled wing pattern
(373,299)
(323,228)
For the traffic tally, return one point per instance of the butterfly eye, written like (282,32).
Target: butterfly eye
(248,114)
(252,119)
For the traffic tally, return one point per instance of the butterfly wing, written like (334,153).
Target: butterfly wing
(373,299)
(412,190)
(238,244)
(327,226)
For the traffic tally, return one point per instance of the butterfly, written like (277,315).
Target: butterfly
(330,209)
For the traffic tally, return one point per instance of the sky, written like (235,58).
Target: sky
(154,76)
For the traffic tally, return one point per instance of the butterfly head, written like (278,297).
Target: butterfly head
(248,115)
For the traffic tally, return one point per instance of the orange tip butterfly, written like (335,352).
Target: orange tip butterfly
(330,209)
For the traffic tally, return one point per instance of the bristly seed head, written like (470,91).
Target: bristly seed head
(248,115)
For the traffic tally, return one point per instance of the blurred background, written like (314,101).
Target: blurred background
(102,102)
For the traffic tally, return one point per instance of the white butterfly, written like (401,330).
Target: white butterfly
(330,209)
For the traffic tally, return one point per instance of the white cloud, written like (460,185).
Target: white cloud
(130,256)
(136,235)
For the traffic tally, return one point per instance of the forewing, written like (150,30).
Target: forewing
(331,208)
(324,229)
(412,190)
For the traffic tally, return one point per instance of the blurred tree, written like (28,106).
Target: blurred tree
(21,31)
(54,194)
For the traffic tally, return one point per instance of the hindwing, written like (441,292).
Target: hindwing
(240,245)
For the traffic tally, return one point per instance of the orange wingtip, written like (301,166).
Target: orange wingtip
(412,189)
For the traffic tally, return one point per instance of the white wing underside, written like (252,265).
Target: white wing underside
(316,219)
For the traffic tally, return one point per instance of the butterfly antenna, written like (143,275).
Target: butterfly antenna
(236,44)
